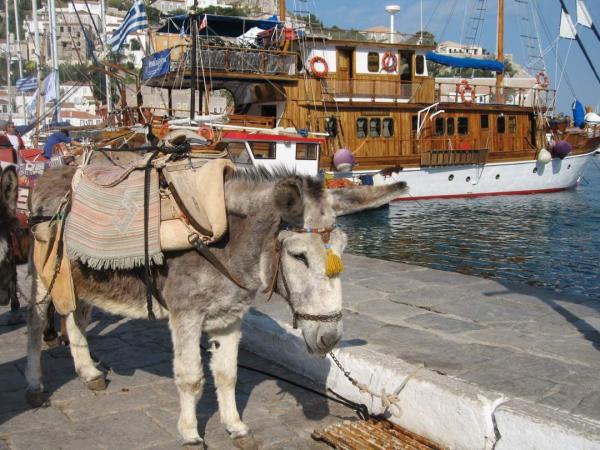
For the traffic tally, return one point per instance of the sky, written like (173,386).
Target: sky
(447,20)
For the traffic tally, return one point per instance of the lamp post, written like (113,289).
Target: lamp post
(392,10)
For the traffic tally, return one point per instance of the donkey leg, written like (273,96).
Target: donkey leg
(223,364)
(187,371)
(77,323)
(36,318)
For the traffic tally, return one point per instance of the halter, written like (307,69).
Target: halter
(325,234)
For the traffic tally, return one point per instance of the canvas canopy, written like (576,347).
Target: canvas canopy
(226,26)
(466,63)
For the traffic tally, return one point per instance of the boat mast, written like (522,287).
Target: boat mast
(7,22)
(194,74)
(38,67)
(106,76)
(282,11)
(54,51)
(18,34)
(500,50)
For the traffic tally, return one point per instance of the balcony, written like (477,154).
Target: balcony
(373,89)
(485,93)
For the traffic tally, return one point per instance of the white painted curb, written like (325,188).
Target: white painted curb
(453,413)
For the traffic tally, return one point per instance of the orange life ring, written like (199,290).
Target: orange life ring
(389,63)
(462,89)
(318,73)
(542,80)
(206,133)
(164,129)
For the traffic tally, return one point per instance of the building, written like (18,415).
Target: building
(454,48)
(80,118)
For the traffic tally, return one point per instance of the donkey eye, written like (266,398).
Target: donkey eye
(301,257)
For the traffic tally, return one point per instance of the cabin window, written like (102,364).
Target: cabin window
(501,124)
(388,127)
(361,127)
(484,121)
(306,151)
(238,153)
(415,123)
(512,124)
(420,65)
(439,126)
(450,126)
(263,150)
(375,127)
(373,62)
(463,125)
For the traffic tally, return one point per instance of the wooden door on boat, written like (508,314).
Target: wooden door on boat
(344,63)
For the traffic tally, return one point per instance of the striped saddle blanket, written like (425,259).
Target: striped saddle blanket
(105,227)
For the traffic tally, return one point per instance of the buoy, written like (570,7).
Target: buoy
(561,149)
(544,156)
(343,160)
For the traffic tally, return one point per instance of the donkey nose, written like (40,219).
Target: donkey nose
(328,338)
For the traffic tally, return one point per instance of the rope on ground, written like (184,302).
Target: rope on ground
(389,402)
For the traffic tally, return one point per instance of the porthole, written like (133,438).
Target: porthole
(569,166)
(451,177)
(535,170)
(468,179)
(497,176)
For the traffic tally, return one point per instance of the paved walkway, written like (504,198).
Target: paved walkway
(140,407)
(520,342)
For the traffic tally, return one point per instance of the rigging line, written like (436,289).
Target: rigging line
(564,67)
(452,9)
(93,22)
(583,50)
(433,12)
(85,35)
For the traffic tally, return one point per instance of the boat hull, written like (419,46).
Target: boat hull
(506,178)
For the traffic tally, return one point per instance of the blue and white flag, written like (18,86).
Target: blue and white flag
(26,84)
(135,20)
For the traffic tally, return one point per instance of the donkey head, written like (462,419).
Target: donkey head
(8,222)
(310,247)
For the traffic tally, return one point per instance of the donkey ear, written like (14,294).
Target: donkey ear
(352,200)
(289,200)
(8,189)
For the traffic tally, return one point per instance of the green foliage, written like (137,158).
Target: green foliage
(235,10)
(135,45)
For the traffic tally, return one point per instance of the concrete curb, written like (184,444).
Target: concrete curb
(451,412)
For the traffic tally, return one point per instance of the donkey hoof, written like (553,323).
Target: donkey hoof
(195,443)
(35,398)
(246,442)
(97,384)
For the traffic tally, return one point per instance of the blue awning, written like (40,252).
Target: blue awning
(466,63)
(226,26)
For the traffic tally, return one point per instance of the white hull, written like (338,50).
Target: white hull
(519,177)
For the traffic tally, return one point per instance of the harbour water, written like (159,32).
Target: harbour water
(549,240)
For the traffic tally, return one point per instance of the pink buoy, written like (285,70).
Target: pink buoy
(343,160)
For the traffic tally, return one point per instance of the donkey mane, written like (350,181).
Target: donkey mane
(312,185)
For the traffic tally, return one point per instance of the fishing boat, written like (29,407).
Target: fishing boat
(381,116)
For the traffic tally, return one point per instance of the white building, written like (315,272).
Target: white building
(454,48)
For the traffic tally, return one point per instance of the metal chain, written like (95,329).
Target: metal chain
(389,402)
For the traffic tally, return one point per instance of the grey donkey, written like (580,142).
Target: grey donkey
(260,206)
(8,224)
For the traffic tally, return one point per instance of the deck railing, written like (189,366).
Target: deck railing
(370,89)
(449,92)
(242,60)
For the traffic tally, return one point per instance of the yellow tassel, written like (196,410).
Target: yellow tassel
(333,264)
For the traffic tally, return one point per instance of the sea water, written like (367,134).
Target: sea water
(549,240)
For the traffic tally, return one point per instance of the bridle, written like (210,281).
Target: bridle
(325,234)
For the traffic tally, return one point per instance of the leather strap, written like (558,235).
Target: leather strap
(206,253)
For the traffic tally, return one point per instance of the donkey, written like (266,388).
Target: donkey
(267,246)
(8,224)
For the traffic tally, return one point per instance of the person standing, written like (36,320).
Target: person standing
(11,133)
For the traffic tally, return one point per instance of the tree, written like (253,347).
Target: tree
(135,45)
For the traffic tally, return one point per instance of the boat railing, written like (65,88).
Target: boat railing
(369,89)
(369,36)
(450,92)
(241,60)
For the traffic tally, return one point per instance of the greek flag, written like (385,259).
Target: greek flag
(26,84)
(135,19)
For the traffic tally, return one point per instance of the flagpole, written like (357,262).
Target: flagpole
(38,63)
(54,48)
(7,22)
(106,76)
(18,35)
(194,74)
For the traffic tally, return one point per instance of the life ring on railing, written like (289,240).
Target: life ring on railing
(206,133)
(389,63)
(313,69)
(542,80)
(462,89)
